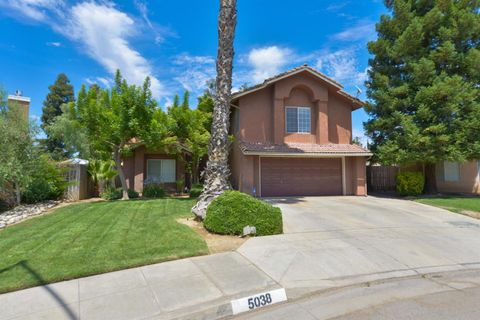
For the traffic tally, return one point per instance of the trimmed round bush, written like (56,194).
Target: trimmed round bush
(153,190)
(230,212)
(410,183)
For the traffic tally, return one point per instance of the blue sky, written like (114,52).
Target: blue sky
(175,42)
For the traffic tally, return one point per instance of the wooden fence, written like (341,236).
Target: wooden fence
(381,178)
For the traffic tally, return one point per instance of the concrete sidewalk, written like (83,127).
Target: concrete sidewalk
(329,243)
(194,287)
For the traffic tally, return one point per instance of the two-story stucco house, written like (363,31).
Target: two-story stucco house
(293,137)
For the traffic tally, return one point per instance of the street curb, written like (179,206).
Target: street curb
(222,310)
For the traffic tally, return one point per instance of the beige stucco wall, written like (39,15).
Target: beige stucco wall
(356,176)
(469,181)
(261,117)
(135,168)
(255,116)
(243,170)
(262,113)
(339,121)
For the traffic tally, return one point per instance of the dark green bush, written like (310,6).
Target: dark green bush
(410,183)
(195,190)
(153,190)
(111,193)
(132,194)
(4,205)
(232,211)
(46,183)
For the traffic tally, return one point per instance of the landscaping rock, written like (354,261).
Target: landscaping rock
(249,231)
(24,212)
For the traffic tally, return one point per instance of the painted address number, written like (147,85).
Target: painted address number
(258,301)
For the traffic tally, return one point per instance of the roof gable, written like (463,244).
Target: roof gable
(338,88)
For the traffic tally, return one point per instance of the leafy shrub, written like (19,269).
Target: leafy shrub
(4,205)
(132,194)
(46,183)
(180,185)
(196,190)
(7,199)
(153,190)
(232,211)
(111,193)
(410,183)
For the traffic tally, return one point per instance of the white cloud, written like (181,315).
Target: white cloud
(362,30)
(334,7)
(142,7)
(53,44)
(268,61)
(187,59)
(341,65)
(37,10)
(193,72)
(159,32)
(99,80)
(102,30)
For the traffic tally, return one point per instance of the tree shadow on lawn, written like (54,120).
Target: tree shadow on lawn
(62,303)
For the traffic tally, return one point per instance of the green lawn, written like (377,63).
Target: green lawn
(90,238)
(455,204)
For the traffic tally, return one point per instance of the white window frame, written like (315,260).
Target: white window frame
(162,161)
(298,108)
(451,171)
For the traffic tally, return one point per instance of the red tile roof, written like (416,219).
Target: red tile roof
(303,148)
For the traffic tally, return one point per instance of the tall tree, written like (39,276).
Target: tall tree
(424,84)
(205,105)
(19,156)
(110,119)
(217,171)
(192,129)
(61,92)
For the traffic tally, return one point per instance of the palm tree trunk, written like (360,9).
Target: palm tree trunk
(217,171)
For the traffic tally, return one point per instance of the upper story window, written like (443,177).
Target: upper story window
(298,120)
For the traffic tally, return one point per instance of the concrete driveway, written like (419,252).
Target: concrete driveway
(335,243)
(316,214)
(340,241)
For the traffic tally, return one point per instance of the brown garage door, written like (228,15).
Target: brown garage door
(301,177)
